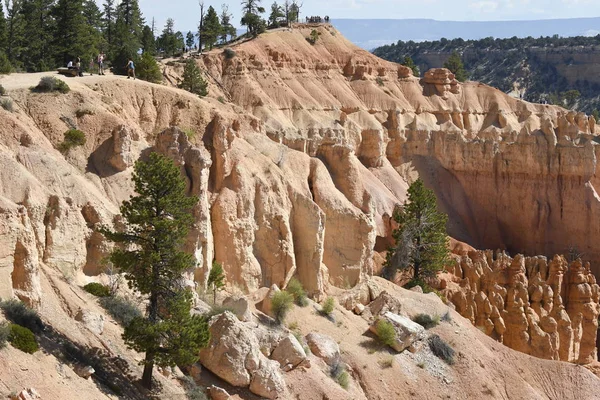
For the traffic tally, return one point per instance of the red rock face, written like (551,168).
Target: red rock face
(548,309)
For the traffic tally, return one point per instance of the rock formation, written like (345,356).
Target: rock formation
(548,309)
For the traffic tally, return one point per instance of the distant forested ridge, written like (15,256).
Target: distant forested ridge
(557,70)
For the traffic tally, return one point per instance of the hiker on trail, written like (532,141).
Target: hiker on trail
(130,69)
(101,64)
(91,66)
(70,64)
(78,66)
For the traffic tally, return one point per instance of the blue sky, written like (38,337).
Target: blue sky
(186,12)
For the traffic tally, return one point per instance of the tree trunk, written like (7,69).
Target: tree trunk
(147,375)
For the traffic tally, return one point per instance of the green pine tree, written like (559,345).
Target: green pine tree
(147,68)
(168,40)
(71,35)
(148,41)
(251,10)
(128,27)
(420,240)
(190,39)
(2,29)
(157,220)
(216,279)
(227,30)
(456,66)
(408,62)
(276,16)
(38,30)
(192,79)
(108,25)
(211,28)
(14,31)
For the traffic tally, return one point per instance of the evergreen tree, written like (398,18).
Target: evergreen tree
(38,29)
(276,15)
(290,10)
(148,41)
(108,24)
(157,220)
(216,279)
(189,39)
(457,67)
(2,29)
(408,62)
(168,40)
(211,28)
(227,30)
(14,30)
(201,25)
(251,17)
(94,19)
(192,79)
(421,240)
(128,27)
(71,32)
(147,68)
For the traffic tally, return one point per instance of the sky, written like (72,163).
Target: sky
(186,12)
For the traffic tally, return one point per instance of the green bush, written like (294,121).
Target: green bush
(73,138)
(2,91)
(97,289)
(341,376)
(147,69)
(4,333)
(447,317)
(426,321)
(83,111)
(7,104)
(218,310)
(328,306)
(23,339)
(18,313)
(379,81)
(281,304)
(296,289)
(229,53)
(314,36)
(441,349)
(51,84)
(192,390)
(192,79)
(121,309)
(5,67)
(385,332)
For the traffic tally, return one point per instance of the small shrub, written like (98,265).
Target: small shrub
(18,313)
(121,309)
(293,326)
(281,304)
(341,376)
(441,349)
(23,339)
(97,289)
(419,282)
(5,66)
(314,36)
(296,289)
(379,81)
(328,306)
(83,111)
(386,332)
(51,84)
(2,91)
(426,321)
(147,69)
(192,390)
(192,79)
(221,99)
(73,138)
(7,104)
(4,333)
(386,362)
(421,364)
(190,133)
(229,53)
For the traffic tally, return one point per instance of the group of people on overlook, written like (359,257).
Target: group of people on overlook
(100,66)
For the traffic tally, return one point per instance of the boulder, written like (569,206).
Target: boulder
(93,321)
(217,393)
(407,331)
(267,381)
(84,371)
(324,347)
(240,307)
(265,305)
(233,354)
(385,303)
(289,353)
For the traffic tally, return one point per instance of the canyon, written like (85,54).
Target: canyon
(299,155)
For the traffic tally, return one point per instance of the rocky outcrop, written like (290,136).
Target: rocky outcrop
(546,308)
(233,354)
(442,81)
(407,332)
(324,347)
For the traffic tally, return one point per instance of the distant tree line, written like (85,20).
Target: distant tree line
(503,62)
(41,35)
